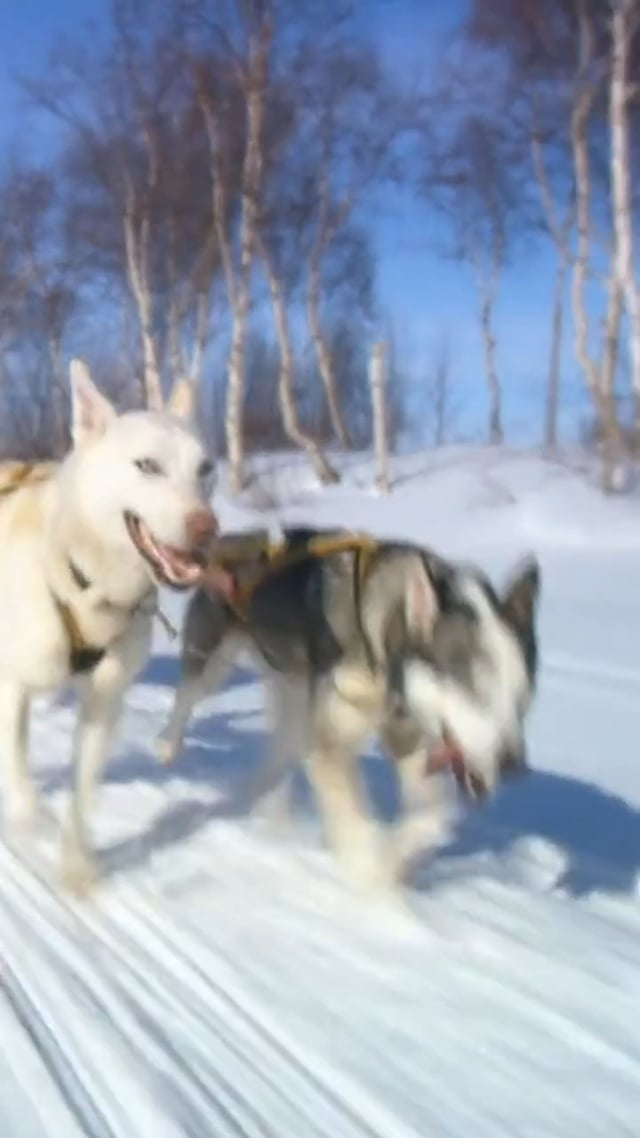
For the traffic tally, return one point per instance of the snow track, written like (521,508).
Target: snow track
(563,667)
(224,983)
(265,1001)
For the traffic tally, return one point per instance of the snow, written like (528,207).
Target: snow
(224,981)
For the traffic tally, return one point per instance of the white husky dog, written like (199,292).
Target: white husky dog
(83,545)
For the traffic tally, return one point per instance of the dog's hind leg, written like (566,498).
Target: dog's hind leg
(20,800)
(200,678)
(271,788)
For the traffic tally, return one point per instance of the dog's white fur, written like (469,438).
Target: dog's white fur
(77,513)
(483,726)
(350,706)
(329,732)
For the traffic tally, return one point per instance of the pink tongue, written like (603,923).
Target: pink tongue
(446,756)
(219,579)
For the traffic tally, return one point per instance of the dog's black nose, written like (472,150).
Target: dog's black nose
(475,786)
(513,764)
(202,525)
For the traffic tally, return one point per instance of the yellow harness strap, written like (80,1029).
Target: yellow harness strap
(83,656)
(15,475)
(76,640)
(280,555)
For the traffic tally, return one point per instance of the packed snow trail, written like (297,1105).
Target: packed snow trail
(225,982)
(245,991)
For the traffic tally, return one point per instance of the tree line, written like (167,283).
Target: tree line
(208,211)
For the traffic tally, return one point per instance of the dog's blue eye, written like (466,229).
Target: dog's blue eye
(148,466)
(205,470)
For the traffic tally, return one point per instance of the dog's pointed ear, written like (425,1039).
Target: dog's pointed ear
(91,411)
(182,401)
(421,603)
(520,598)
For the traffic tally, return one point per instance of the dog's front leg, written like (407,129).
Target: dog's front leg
(342,721)
(427,802)
(100,706)
(356,838)
(20,801)
(428,811)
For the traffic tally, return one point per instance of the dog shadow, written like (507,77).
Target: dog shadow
(221,756)
(221,753)
(596,833)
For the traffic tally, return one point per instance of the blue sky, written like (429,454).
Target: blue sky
(426,296)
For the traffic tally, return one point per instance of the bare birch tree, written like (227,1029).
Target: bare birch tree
(600,372)
(488,272)
(38,300)
(132,176)
(377,381)
(251,72)
(441,401)
(327,228)
(560,223)
(350,125)
(474,175)
(286,393)
(576,58)
(625,23)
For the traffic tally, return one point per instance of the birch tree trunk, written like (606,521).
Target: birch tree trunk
(612,441)
(599,375)
(496,432)
(58,389)
(136,240)
(286,397)
(440,400)
(137,236)
(201,335)
(560,232)
(487,285)
(256,86)
(324,356)
(623,26)
(552,401)
(254,79)
(175,311)
(377,381)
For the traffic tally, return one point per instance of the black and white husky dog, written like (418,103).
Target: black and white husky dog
(400,644)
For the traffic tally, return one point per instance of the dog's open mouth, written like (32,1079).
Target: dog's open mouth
(448,755)
(177,568)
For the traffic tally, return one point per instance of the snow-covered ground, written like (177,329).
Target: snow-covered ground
(226,983)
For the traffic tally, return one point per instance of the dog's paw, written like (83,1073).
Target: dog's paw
(24,814)
(79,874)
(369,864)
(418,837)
(272,808)
(166,750)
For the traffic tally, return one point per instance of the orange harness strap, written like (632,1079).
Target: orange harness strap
(280,556)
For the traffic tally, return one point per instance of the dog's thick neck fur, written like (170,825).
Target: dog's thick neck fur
(84,568)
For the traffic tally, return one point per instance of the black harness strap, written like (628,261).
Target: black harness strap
(361,567)
(80,578)
(83,657)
